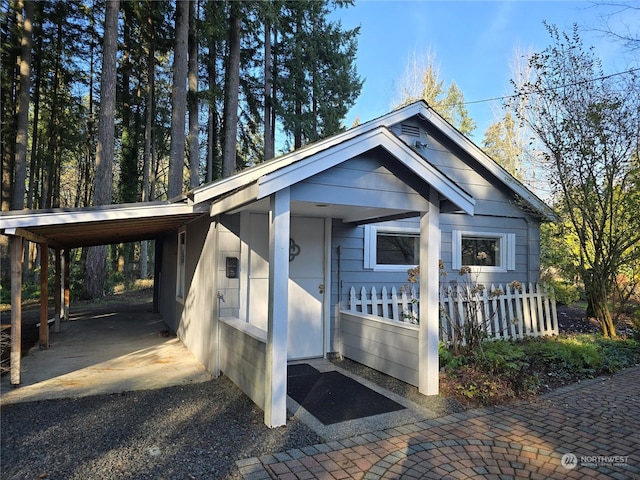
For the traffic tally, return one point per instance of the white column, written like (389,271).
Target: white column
(429,302)
(213,240)
(275,408)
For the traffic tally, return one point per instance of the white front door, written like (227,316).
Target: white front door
(306,288)
(306,283)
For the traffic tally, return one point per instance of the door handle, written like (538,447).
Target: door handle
(321,288)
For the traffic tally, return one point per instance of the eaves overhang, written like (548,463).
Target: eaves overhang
(104,225)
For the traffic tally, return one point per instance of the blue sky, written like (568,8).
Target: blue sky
(473,43)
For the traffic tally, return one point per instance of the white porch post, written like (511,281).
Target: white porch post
(428,335)
(275,408)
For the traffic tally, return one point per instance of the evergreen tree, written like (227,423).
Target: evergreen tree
(96,256)
(421,82)
(179,99)
(500,143)
(315,78)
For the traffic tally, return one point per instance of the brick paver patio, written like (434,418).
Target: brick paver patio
(587,430)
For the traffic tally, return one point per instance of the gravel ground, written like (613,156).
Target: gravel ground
(189,432)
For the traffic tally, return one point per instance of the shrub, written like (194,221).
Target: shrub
(618,353)
(566,292)
(502,370)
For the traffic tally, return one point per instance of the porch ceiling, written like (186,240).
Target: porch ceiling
(72,228)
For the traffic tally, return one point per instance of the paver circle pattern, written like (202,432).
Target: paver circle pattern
(467,459)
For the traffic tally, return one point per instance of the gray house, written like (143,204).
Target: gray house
(256,273)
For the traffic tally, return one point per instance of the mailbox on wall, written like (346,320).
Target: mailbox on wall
(232,267)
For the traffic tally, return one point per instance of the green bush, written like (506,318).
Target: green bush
(564,357)
(502,370)
(618,353)
(566,292)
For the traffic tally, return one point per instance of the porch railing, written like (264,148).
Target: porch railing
(510,312)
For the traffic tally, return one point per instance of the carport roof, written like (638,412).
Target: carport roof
(103,225)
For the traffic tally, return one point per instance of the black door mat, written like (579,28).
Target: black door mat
(297,369)
(332,397)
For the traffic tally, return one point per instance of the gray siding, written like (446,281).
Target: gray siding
(197,312)
(243,358)
(361,181)
(389,347)
(228,246)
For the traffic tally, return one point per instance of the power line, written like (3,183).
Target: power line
(505,97)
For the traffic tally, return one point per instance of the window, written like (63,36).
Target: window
(391,248)
(182,255)
(487,252)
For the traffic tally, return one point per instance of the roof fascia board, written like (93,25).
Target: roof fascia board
(379,137)
(35,218)
(32,237)
(241,179)
(234,200)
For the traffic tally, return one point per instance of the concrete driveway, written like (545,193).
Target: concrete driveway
(102,352)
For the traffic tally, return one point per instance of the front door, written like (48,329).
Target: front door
(306,283)
(306,288)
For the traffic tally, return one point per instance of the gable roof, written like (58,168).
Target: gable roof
(266,172)
(425,112)
(286,171)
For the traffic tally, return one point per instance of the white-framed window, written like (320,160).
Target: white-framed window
(391,248)
(482,251)
(181,261)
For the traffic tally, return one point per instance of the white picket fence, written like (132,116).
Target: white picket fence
(508,312)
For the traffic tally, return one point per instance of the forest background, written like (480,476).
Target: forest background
(127,101)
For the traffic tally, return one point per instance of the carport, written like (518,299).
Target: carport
(65,229)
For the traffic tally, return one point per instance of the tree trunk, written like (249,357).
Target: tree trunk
(194,145)
(178,99)
(148,136)
(96,265)
(212,122)
(597,298)
(269,148)
(19,178)
(9,74)
(231,91)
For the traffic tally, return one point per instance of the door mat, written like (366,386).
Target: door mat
(332,397)
(297,369)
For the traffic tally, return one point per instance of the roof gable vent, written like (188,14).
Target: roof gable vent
(411,130)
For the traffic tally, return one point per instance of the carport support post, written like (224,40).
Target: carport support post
(58,290)
(428,334)
(67,283)
(275,408)
(17,254)
(44,296)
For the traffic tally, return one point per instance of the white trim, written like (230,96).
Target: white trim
(245,249)
(507,251)
(181,266)
(371,242)
(275,408)
(428,333)
(326,299)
